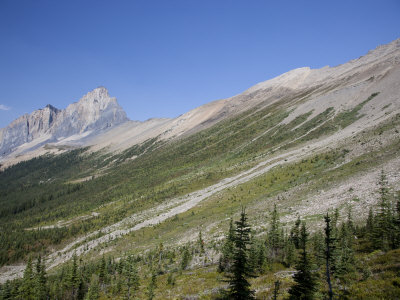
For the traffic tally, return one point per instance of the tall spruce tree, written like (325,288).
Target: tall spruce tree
(397,222)
(74,279)
(274,234)
(239,287)
(152,286)
(225,260)
(93,292)
(295,233)
(304,286)
(132,277)
(41,292)
(329,245)
(383,218)
(28,282)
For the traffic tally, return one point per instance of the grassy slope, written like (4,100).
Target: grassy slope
(39,192)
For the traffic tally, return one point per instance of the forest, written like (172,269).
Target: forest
(343,260)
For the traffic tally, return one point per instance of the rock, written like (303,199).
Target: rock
(94,111)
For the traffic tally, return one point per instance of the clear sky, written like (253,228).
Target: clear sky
(163,58)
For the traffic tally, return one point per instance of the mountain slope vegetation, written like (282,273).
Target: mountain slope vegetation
(159,210)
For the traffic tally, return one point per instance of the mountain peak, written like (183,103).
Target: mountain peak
(94,111)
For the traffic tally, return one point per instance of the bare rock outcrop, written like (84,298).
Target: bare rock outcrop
(94,111)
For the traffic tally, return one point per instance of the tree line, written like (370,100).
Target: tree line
(323,263)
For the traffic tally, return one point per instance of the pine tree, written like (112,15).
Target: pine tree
(369,228)
(239,287)
(152,286)
(201,243)
(6,291)
(290,253)
(28,282)
(329,244)
(185,258)
(274,236)
(74,279)
(93,292)
(132,277)
(383,218)
(345,260)
(277,285)
(41,292)
(102,270)
(304,286)
(295,233)
(225,260)
(397,222)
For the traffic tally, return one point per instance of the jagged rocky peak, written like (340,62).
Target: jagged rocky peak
(94,111)
(99,97)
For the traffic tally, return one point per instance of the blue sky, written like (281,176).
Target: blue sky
(163,58)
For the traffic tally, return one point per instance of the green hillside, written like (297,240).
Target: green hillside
(69,203)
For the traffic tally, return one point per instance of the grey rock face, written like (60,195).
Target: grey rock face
(94,111)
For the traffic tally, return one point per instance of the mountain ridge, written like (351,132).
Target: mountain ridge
(94,111)
(325,87)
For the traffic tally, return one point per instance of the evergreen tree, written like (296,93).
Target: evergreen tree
(383,218)
(397,222)
(290,253)
(152,286)
(201,243)
(28,282)
(93,292)
(329,245)
(6,292)
(369,228)
(345,260)
(239,287)
(185,258)
(277,285)
(41,292)
(102,270)
(74,280)
(225,260)
(274,234)
(295,233)
(132,277)
(304,286)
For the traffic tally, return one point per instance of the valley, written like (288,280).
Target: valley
(308,141)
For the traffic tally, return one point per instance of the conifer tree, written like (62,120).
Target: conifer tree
(102,270)
(225,260)
(74,279)
(93,292)
(41,292)
(304,286)
(345,260)
(397,222)
(239,287)
(185,258)
(132,277)
(201,243)
(295,233)
(274,234)
(152,286)
(277,285)
(369,227)
(290,253)
(329,244)
(383,218)
(6,291)
(28,282)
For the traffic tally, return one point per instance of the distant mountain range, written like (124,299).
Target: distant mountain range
(97,120)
